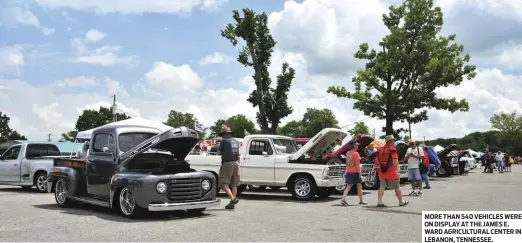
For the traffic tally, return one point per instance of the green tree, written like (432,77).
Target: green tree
(216,128)
(292,129)
(238,124)
(315,120)
(69,136)
(256,53)
(178,119)
(6,133)
(411,63)
(509,125)
(90,119)
(360,127)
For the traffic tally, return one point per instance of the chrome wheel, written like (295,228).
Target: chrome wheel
(340,188)
(41,182)
(127,202)
(302,188)
(60,192)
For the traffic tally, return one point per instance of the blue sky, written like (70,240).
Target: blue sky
(58,57)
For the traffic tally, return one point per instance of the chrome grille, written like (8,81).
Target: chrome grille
(185,189)
(366,168)
(336,170)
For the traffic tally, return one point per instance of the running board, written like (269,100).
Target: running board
(93,201)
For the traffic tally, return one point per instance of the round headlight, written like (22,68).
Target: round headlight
(205,185)
(161,187)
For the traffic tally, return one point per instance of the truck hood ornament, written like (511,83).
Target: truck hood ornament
(178,141)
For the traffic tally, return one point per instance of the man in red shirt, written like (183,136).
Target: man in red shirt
(387,166)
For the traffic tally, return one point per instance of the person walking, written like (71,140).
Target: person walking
(387,166)
(499,159)
(229,171)
(415,156)
(425,172)
(487,163)
(353,174)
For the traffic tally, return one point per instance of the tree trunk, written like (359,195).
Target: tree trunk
(259,88)
(389,125)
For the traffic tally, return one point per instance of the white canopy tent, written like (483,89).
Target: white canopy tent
(438,148)
(135,121)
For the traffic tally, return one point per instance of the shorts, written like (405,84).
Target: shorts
(507,164)
(414,174)
(392,184)
(229,174)
(352,178)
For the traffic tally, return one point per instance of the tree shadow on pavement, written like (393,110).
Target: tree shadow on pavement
(19,190)
(390,209)
(82,209)
(283,197)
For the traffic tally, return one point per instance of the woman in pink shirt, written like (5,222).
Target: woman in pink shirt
(353,174)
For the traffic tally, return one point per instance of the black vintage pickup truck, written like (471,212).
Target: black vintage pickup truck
(135,169)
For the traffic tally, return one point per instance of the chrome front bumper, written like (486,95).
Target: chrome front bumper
(184,206)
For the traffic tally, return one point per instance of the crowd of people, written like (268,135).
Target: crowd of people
(499,162)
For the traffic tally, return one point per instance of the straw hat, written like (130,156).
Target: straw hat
(389,138)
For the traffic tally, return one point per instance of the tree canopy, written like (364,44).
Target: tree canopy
(359,128)
(401,77)
(7,133)
(238,124)
(90,119)
(69,136)
(178,119)
(257,53)
(509,125)
(313,121)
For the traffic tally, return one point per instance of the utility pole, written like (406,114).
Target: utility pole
(114,117)
(374,133)
(409,127)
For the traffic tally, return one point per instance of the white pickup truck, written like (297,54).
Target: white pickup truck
(27,165)
(275,161)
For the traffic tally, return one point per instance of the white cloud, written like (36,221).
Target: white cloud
(106,55)
(212,5)
(11,59)
(13,17)
(134,6)
(93,36)
(165,80)
(80,81)
(511,56)
(216,58)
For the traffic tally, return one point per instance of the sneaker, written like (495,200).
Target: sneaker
(230,206)
(427,187)
(418,194)
(413,193)
(234,201)
(344,203)
(363,203)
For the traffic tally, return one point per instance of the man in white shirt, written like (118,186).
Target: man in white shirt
(500,159)
(414,156)
(83,151)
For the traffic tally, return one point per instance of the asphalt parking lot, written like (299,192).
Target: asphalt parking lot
(31,216)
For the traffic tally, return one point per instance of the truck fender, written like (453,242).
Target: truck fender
(70,175)
(117,183)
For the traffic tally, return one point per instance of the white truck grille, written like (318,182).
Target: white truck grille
(336,170)
(366,168)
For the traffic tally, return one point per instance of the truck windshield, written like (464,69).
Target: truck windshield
(287,146)
(128,141)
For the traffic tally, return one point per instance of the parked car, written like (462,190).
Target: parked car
(27,165)
(461,163)
(135,169)
(275,161)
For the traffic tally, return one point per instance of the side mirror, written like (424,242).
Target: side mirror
(264,154)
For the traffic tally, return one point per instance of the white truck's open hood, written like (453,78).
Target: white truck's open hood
(323,142)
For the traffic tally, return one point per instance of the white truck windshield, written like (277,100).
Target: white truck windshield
(287,146)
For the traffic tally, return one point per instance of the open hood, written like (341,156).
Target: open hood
(447,150)
(402,147)
(178,141)
(322,143)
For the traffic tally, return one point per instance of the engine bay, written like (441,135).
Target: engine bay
(158,163)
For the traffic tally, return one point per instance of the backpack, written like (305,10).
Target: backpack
(386,166)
